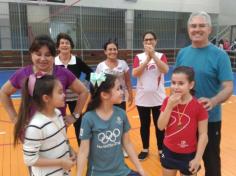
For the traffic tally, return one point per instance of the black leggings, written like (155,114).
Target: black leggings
(77,124)
(211,156)
(145,121)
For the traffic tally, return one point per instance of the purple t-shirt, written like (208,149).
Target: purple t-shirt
(64,75)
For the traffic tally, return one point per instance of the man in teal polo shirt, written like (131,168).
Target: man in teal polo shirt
(214,85)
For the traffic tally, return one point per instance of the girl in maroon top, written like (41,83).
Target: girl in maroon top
(184,118)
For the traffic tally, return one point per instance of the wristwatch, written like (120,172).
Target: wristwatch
(76,115)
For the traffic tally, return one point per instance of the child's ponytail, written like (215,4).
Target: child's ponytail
(34,88)
(23,114)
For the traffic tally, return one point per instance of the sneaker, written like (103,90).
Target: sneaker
(125,154)
(160,153)
(142,155)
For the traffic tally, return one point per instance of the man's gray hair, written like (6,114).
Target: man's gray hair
(200,14)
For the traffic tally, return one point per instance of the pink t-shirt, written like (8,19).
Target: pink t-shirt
(184,139)
(150,90)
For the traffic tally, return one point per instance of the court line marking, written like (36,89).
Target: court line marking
(5,121)
(2,132)
(72,138)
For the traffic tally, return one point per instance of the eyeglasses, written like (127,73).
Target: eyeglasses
(198,25)
(148,39)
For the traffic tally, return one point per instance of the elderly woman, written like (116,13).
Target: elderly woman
(42,51)
(73,63)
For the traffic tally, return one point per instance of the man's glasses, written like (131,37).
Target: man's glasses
(198,25)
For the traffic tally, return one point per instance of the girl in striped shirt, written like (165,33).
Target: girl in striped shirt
(45,144)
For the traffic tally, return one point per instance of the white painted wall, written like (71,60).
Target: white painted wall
(38,14)
(211,6)
(225,8)
(5,34)
(4,10)
(227,12)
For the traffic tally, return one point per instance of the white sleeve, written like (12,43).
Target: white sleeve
(32,143)
(98,69)
(125,66)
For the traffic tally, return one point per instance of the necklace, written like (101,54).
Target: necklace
(180,115)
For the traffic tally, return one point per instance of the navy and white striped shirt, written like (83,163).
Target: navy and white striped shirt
(45,138)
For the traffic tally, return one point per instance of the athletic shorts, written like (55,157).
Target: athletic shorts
(176,161)
(133,173)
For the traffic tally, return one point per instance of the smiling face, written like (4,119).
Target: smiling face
(180,84)
(149,39)
(42,59)
(199,31)
(64,46)
(111,51)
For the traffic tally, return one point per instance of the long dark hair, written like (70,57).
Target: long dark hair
(43,86)
(96,91)
(189,72)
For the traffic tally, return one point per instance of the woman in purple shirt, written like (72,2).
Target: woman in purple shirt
(43,51)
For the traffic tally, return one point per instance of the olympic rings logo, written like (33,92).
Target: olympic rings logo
(111,136)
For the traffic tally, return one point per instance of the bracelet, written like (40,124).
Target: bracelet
(76,115)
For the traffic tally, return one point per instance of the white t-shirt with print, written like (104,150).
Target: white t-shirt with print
(120,70)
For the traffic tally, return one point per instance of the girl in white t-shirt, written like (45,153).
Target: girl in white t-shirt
(149,68)
(45,144)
